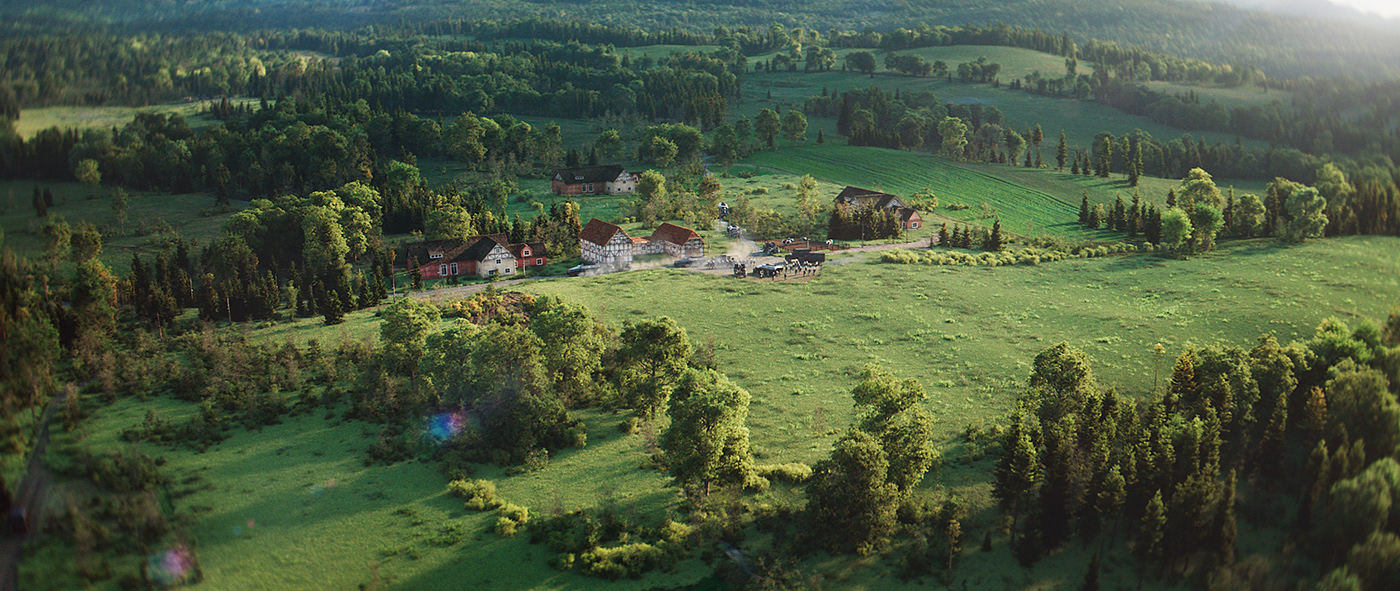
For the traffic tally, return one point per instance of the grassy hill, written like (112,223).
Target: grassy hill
(293,506)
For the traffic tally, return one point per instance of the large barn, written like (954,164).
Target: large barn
(607,244)
(481,256)
(858,198)
(592,180)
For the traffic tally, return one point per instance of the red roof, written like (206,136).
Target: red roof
(674,234)
(599,232)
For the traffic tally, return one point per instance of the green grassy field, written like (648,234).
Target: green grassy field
(148,216)
(1069,187)
(903,173)
(660,51)
(293,506)
(31,121)
(1080,120)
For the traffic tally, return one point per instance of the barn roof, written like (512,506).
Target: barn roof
(674,234)
(599,232)
(483,245)
(866,198)
(536,250)
(589,174)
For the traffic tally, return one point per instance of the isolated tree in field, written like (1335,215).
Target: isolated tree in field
(653,354)
(707,442)
(954,134)
(850,501)
(41,209)
(1176,228)
(767,125)
(1061,152)
(1306,206)
(1014,144)
(795,126)
(861,61)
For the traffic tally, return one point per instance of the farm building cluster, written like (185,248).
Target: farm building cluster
(592,180)
(607,244)
(480,256)
(857,199)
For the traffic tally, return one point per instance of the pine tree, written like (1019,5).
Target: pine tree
(1226,526)
(1135,216)
(329,304)
(1018,469)
(1185,389)
(41,209)
(1074,169)
(1274,440)
(1153,529)
(1171,198)
(1094,218)
(943,235)
(208,298)
(1120,215)
(821,137)
(1060,152)
(1083,205)
(1135,164)
(1105,157)
(995,241)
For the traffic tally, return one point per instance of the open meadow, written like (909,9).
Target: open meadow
(151,219)
(32,121)
(293,506)
(1080,120)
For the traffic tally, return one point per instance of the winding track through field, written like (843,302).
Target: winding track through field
(31,494)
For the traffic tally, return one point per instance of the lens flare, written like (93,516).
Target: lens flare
(445,426)
(171,567)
